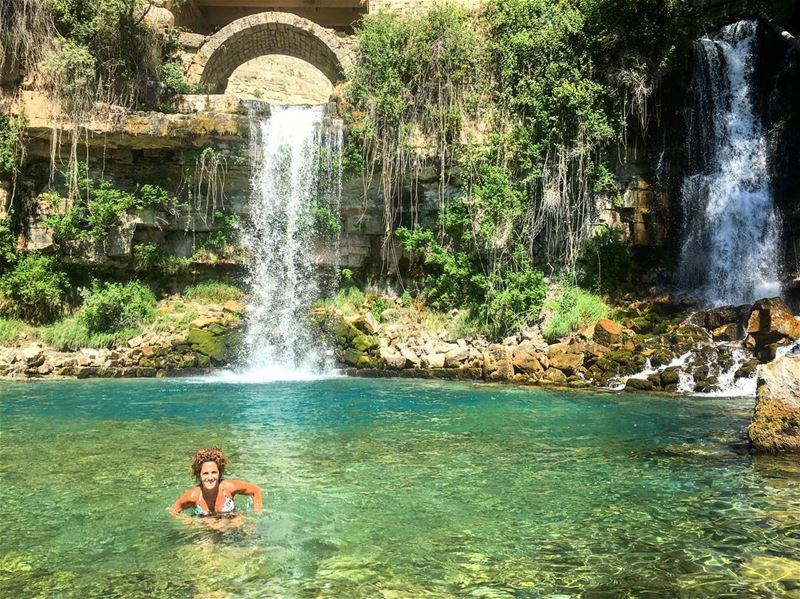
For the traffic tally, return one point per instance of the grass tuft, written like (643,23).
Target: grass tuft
(575,308)
(213,292)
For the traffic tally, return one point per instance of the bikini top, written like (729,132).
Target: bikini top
(228,506)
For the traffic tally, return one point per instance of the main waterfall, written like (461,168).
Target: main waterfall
(294,157)
(729,253)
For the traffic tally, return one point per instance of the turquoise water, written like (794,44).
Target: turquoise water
(383,488)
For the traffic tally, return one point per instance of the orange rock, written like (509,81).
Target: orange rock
(607,332)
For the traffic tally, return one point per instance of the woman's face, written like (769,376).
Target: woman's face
(209,475)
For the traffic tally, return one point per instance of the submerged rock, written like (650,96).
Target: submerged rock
(776,418)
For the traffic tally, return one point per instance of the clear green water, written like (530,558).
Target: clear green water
(391,489)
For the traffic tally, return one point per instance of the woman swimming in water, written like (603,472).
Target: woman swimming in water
(214,496)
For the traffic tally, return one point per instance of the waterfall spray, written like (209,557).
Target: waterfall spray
(729,252)
(295,170)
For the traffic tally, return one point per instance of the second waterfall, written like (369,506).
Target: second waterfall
(730,233)
(295,154)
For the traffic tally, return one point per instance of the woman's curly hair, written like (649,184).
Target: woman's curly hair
(209,454)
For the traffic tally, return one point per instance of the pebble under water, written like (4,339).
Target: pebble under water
(384,488)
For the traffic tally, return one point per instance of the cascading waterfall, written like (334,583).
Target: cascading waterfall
(294,157)
(730,234)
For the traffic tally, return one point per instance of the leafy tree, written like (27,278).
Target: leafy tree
(33,290)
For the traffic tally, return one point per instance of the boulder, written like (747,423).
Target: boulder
(433,361)
(498,362)
(365,342)
(567,363)
(410,356)
(456,357)
(393,359)
(554,375)
(718,317)
(671,376)
(776,419)
(359,359)
(770,322)
(367,324)
(159,18)
(206,343)
(526,360)
(607,332)
(33,356)
(633,384)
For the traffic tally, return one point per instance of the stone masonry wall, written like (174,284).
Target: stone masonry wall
(412,6)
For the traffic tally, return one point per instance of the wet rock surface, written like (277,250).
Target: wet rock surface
(776,419)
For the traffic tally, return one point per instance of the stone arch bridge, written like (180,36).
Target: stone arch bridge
(269,33)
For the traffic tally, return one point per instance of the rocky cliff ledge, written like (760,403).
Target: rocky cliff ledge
(652,345)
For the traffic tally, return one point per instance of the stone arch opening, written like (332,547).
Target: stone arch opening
(263,34)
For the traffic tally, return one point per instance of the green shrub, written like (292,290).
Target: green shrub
(513,300)
(222,241)
(172,76)
(34,290)
(378,306)
(148,258)
(606,263)
(326,222)
(111,307)
(575,309)
(8,242)
(213,292)
(107,51)
(154,196)
(71,334)
(10,328)
(12,133)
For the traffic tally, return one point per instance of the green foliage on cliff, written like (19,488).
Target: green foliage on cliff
(606,262)
(557,84)
(101,207)
(106,52)
(8,243)
(34,289)
(109,307)
(12,135)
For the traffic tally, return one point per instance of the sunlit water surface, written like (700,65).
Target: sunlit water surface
(391,489)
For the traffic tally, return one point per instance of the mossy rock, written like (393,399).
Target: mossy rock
(216,329)
(206,343)
(661,357)
(620,356)
(365,343)
(606,365)
(747,369)
(641,324)
(345,333)
(359,359)
(671,376)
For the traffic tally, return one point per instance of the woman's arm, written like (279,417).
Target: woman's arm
(239,487)
(184,501)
